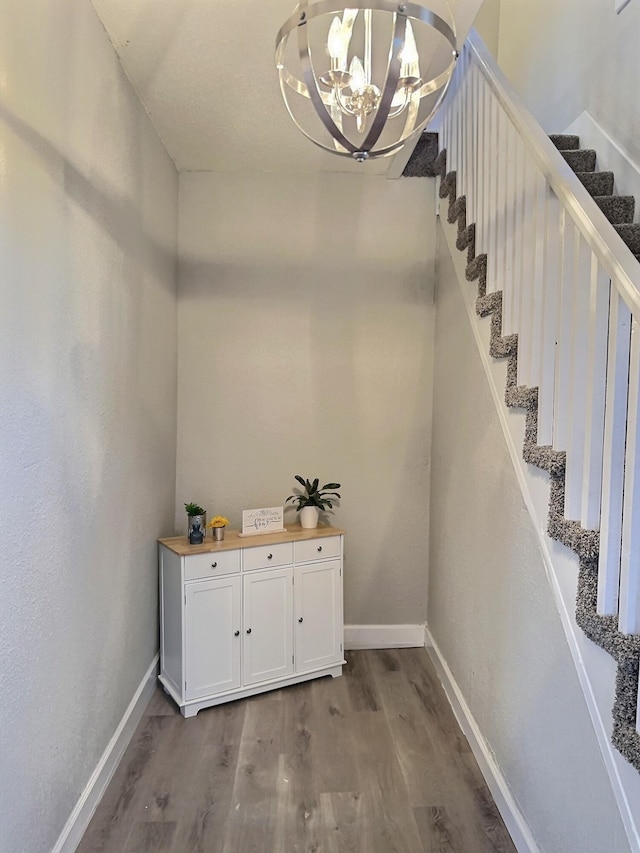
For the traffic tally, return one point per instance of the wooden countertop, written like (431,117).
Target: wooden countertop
(232,539)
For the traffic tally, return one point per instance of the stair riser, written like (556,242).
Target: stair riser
(597,183)
(617,208)
(631,236)
(565,142)
(580,161)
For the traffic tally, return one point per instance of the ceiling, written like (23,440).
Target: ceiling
(204,71)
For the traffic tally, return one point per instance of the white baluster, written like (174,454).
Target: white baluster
(458,126)
(494,168)
(486,171)
(502,169)
(481,243)
(468,139)
(452,164)
(578,380)
(513,319)
(562,395)
(473,125)
(450,101)
(539,235)
(510,195)
(443,141)
(479,145)
(615,433)
(526,280)
(629,621)
(596,375)
(463,171)
(551,289)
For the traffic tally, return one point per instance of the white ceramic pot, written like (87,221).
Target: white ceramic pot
(309,516)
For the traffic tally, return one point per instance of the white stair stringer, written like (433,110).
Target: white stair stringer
(607,677)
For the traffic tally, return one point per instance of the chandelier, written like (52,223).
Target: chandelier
(360,81)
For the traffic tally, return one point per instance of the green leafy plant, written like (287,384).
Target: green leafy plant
(194,509)
(314,495)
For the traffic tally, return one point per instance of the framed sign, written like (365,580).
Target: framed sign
(265,520)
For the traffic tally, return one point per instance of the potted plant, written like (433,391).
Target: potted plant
(313,499)
(217,525)
(197,522)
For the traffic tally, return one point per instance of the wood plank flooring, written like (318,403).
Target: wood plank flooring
(372,762)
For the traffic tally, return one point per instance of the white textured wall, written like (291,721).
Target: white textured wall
(565,58)
(305,346)
(88,201)
(491,609)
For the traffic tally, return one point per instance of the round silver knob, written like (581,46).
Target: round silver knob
(300,619)
(248,630)
(236,633)
(319,548)
(214,565)
(269,556)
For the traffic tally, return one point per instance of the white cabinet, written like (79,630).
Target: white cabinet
(268,620)
(244,616)
(212,636)
(318,614)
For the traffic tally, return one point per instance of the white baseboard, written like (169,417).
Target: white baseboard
(383,636)
(511,814)
(83,811)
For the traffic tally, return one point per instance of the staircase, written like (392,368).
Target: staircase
(555,256)
(601,629)
(619,209)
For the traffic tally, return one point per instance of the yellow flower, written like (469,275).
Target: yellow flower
(218,521)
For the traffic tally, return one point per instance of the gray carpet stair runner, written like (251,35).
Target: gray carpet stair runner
(602,630)
(618,209)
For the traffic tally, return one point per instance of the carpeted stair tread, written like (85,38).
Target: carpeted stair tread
(597,183)
(565,141)
(617,208)
(631,235)
(581,160)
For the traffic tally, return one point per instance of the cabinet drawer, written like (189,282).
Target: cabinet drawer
(264,556)
(317,549)
(209,565)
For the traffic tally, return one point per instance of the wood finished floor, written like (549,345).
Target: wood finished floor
(372,762)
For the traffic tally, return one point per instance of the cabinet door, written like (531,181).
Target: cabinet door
(212,634)
(268,625)
(318,614)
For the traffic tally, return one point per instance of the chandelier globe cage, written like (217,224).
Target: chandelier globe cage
(359,81)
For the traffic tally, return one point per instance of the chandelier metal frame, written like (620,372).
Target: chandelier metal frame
(324,98)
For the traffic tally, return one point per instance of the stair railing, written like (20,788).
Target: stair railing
(571,291)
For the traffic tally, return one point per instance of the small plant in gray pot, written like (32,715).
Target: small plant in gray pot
(197,523)
(312,499)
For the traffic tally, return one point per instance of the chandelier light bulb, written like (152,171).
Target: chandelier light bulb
(358,78)
(381,101)
(336,44)
(409,55)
